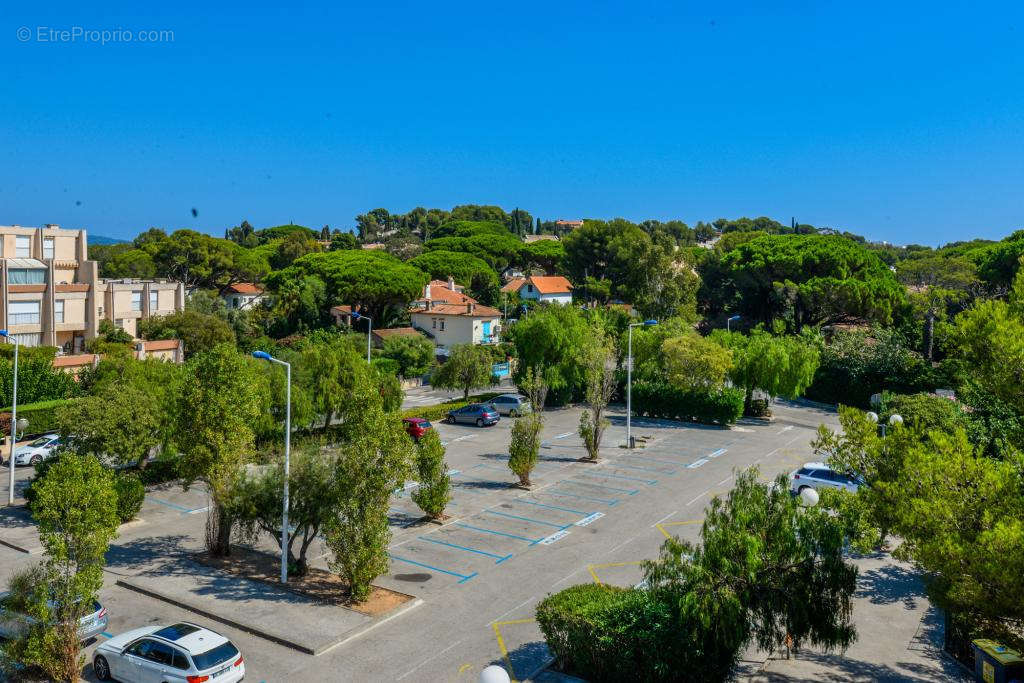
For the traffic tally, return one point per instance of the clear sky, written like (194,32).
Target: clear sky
(900,121)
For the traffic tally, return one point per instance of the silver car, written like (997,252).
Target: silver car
(181,653)
(14,624)
(818,475)
(38,450)
(511,404)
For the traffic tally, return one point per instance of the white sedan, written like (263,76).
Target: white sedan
(181,653)
(38,450)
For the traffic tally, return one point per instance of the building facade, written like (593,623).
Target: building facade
(553,289)
(52,294)
(448,316)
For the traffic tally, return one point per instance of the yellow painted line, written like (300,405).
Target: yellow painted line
(464,668)
(592,567)
(662,525)
(501,642)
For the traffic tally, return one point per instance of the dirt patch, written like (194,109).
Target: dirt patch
(320,585)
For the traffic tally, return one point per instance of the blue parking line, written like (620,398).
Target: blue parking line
(644,469)
(650,482)
(531,541)
(528,519)
(499,558)
(463,578)
(489,481)
(182,508)
(628,492)
(646,459)
(550,507)
(553,492)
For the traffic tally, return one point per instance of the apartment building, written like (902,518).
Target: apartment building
(51,293)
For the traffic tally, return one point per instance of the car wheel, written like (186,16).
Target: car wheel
(101,668)
(450,420)
(479,422)
(36,459)
(513,413)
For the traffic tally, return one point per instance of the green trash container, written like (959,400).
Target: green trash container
(995,663)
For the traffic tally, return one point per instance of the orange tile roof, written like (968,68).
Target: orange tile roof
(479,311)
(396,332)
(514,284)
(341,309)
(244,288)
(75,361)
(439,292)
(550,284)
(161,345)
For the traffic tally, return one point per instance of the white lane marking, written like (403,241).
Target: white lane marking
(562,436)
(784,430)
(741,429)
(428,659)
(554,537)
(590,518)
(671,514)
(698,463)
(720,452)
(463,437)
(698,497)
(723,481)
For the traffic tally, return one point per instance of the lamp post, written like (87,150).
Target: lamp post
(894,419)
(14,415)
(629,380)
(263,355)
(729,321)
(369,326)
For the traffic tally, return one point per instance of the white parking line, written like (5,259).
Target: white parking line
(784,430)
(562,436)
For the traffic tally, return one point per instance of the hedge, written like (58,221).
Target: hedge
(716,406)
(41,416)
(438,411)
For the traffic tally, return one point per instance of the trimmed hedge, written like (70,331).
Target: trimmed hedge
(438,411)
(659,399)
(41,416)
(130,494)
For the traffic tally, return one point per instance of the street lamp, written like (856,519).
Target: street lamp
(629,380)
(263,355)
(14,414)
(369,326)
(729,321)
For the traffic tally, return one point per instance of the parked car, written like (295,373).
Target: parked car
(182,653)
(511,404)
(38,450)
(479,414)
(14,624)
(818,475)
(416,427)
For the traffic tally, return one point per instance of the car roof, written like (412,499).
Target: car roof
(415,420)
(192,637)
(515,396)
(816,466)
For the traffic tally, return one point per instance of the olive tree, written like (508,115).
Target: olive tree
(600,387)
(524,448)
(435,484)
(468,367)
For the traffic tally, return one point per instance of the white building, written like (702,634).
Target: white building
(242,295)
(448,316)
(546,288)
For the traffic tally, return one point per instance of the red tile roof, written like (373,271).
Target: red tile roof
(545,284)
(161,345)
(479,311)
(244,288)
(75,361)
(341,309)
(396,332)
(514,284)
(439,292)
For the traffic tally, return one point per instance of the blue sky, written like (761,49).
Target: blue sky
(899,121)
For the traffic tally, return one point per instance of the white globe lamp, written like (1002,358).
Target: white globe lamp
(808,497)
(494,674)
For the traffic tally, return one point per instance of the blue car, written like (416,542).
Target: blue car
(479,414)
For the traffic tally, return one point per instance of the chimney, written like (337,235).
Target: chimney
(451,283)
(426,291)
(469,307)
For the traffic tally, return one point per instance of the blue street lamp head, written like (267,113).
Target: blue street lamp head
(734,318)
(650,323)
(262,355)
(3,333)
(355,315)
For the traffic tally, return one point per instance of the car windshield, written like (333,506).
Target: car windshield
(42,441)
(217,655)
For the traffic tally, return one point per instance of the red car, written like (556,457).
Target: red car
(416,427)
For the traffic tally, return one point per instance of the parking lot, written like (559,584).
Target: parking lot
(481,573)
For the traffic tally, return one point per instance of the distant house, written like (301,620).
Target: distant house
(529,239)
(170,350)
(242,295)
(381,336)
(547,288)
(568,225)
(448,316)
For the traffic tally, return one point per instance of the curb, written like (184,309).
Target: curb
(35,550)
(260,633)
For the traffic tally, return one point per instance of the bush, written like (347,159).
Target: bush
(437,412)
(159,471)
(706,406)
(130,494)
(387,366)
(41,468)
(42,416)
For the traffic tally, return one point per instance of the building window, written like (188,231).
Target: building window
(23,312)
(136,301)
(442,324)
(58,311)
(47,247)
(22,246)
(153,302)
(29,338)
(119,323)
(433,323)
(26,276)
(529,288)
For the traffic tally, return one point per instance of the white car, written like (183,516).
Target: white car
(818,475)
(181,653)
(38,450)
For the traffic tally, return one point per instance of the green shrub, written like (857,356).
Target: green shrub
(438,411)
(387,366)
(159,471)
(435,489)
(41,468)
(130,494)
(41,416)
(707,406)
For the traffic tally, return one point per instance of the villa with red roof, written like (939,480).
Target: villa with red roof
(553,289)
(449,316)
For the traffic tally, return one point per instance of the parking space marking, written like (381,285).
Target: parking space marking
(697,463)
(646,459)
(528,519)
(649,482)
(531,541)
(660,526)
(605,565)
(719,452)
(563,436)
(644,469)
(501,643)
(498,558)
(463,578)
(628,492)
(609,503)
(548,540)
(180,508)
(784,430)
(550,507)
(590,518)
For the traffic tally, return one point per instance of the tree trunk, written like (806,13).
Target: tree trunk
(218,531)
(465,394)
(929,335)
